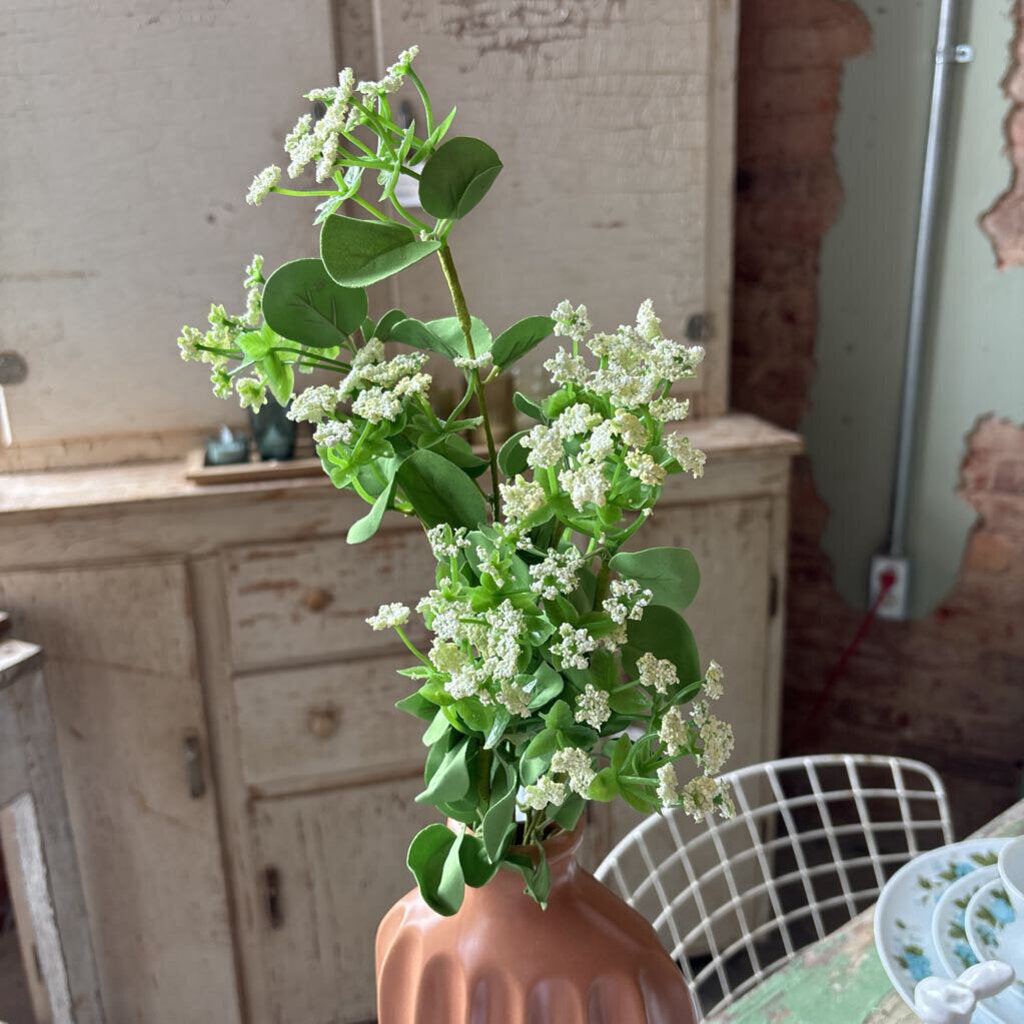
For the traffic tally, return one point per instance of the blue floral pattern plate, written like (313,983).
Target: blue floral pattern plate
(953,946)
(994,931)
(907,906)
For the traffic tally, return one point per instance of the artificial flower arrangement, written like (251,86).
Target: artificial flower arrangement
(560,664)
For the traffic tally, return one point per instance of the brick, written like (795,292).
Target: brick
(988,552)
(818,45)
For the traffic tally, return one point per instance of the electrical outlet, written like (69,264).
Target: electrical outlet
(894,605)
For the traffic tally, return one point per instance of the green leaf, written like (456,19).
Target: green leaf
(512,457)
(528,407)
(440,492)
(457,177)
(363,529)
(629,702)
(605,786)
(418,706)
(543,744)
(386,323)
(357,252)
(514,343)
(451,780)
(499,818)
(497,729)
(568,815)
(665,634)
(449,331)
(280,376)
(433,858)
(671,574)
(620,751)
(477,869)
(537,877)
(559,717)
(438,727)
(302,302)
(547,686)
(256,344)
(417,334)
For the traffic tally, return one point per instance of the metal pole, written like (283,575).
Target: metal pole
(946,54)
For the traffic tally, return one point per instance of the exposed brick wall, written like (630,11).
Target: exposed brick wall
(948,689)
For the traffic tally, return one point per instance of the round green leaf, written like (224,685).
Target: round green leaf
(671,574)
(514,343)
(477,869)
(440,492)
(451,780)
(357,252)
(665,634)
(457,177)
(363,529)
(512,457)
(301,301)
(499,817)
(433,858)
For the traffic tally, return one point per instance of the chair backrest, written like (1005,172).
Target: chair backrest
(813,841)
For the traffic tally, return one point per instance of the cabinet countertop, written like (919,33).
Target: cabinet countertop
(732,436)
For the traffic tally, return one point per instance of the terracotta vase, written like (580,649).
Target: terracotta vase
(587,959)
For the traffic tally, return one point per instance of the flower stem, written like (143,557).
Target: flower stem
(462,312)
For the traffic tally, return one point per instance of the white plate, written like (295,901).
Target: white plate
(993,929)
(955,953)
(903,916)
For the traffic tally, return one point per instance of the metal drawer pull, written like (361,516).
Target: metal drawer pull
(322,721)
(195,778)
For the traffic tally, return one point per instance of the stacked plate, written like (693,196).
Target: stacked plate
(946,911)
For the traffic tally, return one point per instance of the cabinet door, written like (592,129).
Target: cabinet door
(615,124)
(125,695)
(332,864)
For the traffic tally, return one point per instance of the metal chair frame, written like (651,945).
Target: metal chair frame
(771,829)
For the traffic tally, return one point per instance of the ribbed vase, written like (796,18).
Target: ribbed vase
(587,959)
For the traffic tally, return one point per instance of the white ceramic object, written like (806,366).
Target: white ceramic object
(903,916)
(954,952)
(994,930)
(1011,870)
(949,1001)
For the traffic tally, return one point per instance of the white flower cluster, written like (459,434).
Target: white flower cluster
(700,796)
(333,433)
(691,460)
(674,731)
(715,736)
(389,616)
(262,184)
(543,792)
(714,680)
(574,646)
(380,385)
(480,362)
(521,497)
(478,651)
(637,361)
(446,541)
(314,405)
(558,573)
(626,600)
(657,673)
(575,763)
(592,707)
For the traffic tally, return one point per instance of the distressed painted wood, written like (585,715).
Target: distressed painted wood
(38,850)
(625,188)
(340,858)
(299,725)
(309,600)
(123,685)
(841,978)
(188,102)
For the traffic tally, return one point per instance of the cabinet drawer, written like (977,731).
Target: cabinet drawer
(327,720)
(308,600)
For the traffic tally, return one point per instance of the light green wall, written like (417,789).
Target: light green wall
(975,338)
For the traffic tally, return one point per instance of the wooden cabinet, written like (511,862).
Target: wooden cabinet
(240,786)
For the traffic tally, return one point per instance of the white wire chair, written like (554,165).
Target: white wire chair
(812,844)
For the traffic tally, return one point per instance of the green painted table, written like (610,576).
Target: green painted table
(840,979)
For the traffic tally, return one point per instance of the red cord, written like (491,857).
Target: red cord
(886,582)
